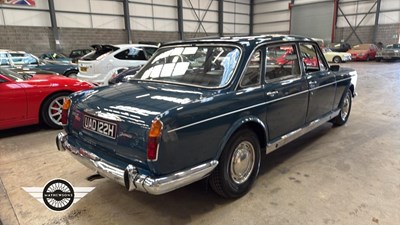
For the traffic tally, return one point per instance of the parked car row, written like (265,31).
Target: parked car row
(20,59)
(342,52)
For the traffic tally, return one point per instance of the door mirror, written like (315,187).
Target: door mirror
(334,68)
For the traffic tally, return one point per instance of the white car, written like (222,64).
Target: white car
(336,57)
(99,65)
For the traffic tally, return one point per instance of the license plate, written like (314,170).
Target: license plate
(100,126)
(83,69)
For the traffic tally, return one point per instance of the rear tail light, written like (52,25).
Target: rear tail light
(65,108)
(154,139)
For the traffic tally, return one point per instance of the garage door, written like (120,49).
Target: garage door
(313,20)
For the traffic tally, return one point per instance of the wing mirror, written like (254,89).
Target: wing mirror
(334,68)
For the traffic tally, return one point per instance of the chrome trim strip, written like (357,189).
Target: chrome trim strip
(157,186)
(285,139)
(216,117)
(130,177)
(253,106)
(322,86)
(288,96)
(325,85)
(236,111)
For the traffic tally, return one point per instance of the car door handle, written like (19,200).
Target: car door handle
(272,93)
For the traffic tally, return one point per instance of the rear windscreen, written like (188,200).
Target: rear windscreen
(99,51)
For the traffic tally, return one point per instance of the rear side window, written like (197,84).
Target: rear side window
(150,51)
(131,54)
(79,53)
(99,51)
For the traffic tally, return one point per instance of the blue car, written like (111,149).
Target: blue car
(20,59)
(206,108)
(54,56)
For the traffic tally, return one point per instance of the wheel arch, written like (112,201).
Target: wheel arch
(47,97)
(249,122)
(352,89)
(68,71)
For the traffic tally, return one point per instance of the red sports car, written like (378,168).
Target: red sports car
(27,99)
(364,52)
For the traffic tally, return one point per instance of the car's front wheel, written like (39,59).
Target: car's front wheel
(345,108)
(238,166)
(52,108)
(337,59)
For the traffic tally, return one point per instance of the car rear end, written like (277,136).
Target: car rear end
(100,65)
(94,65)
(119,138)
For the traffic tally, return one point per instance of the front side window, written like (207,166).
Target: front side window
(282,62)
(311,58)
(206,66)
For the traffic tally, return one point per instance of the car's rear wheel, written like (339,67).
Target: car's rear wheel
(72,74)
(337,59)
(238,166)
(378,59)
(52,108)
(345,108)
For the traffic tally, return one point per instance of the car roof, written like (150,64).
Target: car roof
(11,51)
(134,45)
(243,40)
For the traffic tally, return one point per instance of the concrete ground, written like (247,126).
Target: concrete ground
(345,175)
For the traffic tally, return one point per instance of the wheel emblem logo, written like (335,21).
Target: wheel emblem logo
(58,195)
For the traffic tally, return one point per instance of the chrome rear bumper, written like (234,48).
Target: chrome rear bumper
(130,177)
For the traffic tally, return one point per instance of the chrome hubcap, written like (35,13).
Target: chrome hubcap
(345,108)
(55,110)
(242,163)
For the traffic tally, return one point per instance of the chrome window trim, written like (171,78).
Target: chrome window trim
(246,67)
(195,45)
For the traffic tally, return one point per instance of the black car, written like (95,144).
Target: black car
(340,47)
